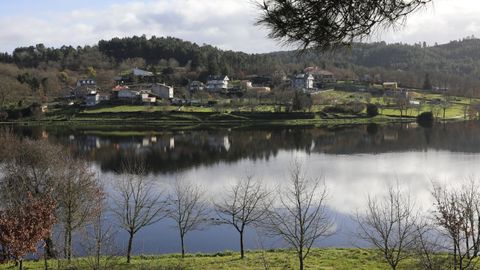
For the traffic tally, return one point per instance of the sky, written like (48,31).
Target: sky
(227,24)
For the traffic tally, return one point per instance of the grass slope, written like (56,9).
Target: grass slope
(325,259)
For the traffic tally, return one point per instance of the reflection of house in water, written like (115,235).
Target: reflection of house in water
(172,143)
(94,142)
(219,143)
(159,143)
(390,135)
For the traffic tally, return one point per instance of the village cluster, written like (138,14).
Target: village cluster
(138,86)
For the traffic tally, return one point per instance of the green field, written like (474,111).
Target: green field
(240,113)
(326,259)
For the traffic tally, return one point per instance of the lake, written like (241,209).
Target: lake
(354,161)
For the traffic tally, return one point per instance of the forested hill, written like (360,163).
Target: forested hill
(455,65)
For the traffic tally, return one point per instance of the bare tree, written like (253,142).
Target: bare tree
(402,102)
(98,243)
(187,207)
(243,205)
(457,213)
(78,197)
(428,245)
(445,103)
(301,219)
(137,201)
(389,225)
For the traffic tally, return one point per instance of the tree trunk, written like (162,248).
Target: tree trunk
(455,256)
(20,264)
(129,248)
(65,244)
(45,260)
(69,248)
(49,248)
(98,253)
(300,260)
(242,252)
(3,254)
(183,245)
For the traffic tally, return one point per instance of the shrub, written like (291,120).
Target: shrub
(302,102)
(425,119)
(3,115)
(350,108)
(372,110)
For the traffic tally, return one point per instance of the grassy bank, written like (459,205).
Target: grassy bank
(341,259)
(187,117)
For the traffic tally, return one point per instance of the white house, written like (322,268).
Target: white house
(147,98)
(321,75)
(303,81)
(217,83)
(87,82)
(393,86)
(162,91)
(92,99)
(246,84)
(127,94)
(84,88)
(196,86)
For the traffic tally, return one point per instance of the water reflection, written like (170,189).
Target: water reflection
(173,151)
(354,161)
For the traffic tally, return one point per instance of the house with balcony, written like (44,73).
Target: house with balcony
(196,86)
(217,83)
(84,87)
(303,81)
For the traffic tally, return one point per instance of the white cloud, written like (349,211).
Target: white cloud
(442,21)
(224,23)
(228,24)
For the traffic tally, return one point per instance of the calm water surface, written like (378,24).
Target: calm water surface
(354,161)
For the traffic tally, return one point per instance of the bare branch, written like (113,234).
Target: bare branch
(187,207)
(302,218)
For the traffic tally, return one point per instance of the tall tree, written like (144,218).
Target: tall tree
(427,84)
(301,219)
(78,196)
(32,81)
(389,224)
(457,214)
(244,204)
(137,200)
(187,208)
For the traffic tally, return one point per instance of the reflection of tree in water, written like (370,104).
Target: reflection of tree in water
(173,151)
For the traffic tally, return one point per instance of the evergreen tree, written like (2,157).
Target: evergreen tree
(427,85)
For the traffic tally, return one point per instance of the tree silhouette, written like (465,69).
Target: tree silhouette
(327,23)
